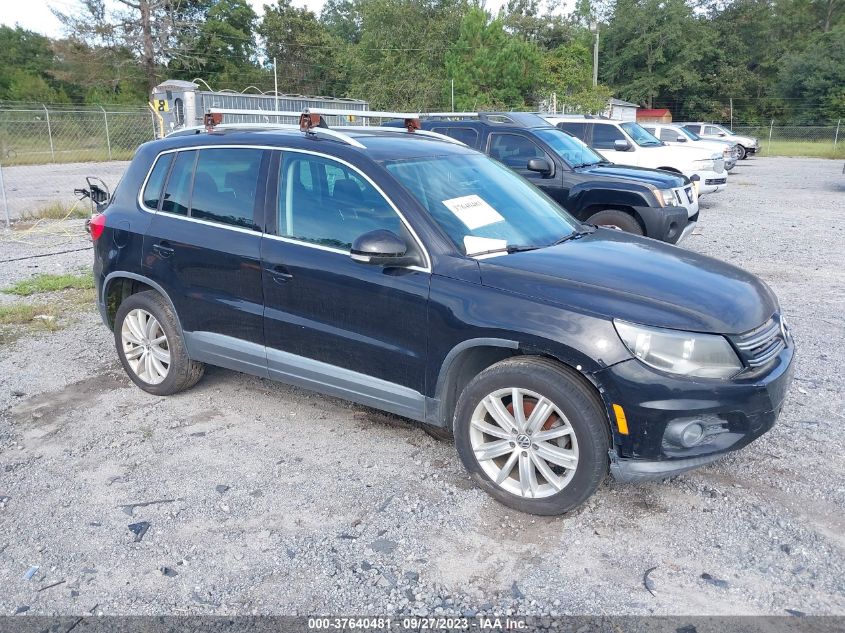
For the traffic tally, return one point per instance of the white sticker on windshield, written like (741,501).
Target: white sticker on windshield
(473,211)
(473,245)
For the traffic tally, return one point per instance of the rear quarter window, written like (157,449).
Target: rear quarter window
(177,193)
(152,191)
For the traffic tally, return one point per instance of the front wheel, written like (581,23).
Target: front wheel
(742,153)
(533,435)
(150,347)
(615,219)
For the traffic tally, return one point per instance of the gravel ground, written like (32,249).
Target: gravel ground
(31,187)
(267,499)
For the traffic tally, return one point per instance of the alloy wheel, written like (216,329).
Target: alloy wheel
(524,443)
(145,346)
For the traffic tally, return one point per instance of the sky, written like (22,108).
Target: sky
(35,15)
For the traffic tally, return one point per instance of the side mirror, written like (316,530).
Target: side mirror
(681,138)
(722,134)
(381,248)
(621,145)
(540,165)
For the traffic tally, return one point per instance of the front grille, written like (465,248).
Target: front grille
(715,181)
(761,345)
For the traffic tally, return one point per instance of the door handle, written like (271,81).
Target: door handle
(279,274)
(163,250)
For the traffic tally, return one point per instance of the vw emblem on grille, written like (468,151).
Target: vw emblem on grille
(523,441)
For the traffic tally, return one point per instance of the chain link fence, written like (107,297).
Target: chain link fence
(798,140)
(47,151)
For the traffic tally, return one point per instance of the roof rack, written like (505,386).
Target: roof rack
(312,121)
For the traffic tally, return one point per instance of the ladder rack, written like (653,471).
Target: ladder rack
(311,121)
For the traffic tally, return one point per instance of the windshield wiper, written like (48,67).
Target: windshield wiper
(575,235)
(506,249)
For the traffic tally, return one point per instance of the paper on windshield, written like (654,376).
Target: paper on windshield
(473,211)
(474,244)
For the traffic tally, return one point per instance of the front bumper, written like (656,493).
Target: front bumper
(663,223)
(712,181)
(735,412)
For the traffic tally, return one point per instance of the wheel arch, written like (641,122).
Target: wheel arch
(469,358)
(117,286)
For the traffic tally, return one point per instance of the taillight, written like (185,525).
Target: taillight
(96,226)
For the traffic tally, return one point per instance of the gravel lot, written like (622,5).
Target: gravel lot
(266,499)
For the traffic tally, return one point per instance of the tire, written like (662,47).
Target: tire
(576,418)
(742,154)
(613,218)
(439,433)
(146,327)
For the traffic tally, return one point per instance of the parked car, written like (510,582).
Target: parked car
(420,277)
(674,134)
(648,202)
(747,144)
(627,143)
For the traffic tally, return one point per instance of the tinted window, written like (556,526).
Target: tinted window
(579,130)
(152,192)
(177,194)
(225,186)
(324,202)
(513,150)
(466,135)
(605,135)
(694,128)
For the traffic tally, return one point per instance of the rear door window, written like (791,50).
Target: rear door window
(155,182)
(605,135)
(578,130)
(177,193)
(465,135)
(225,186)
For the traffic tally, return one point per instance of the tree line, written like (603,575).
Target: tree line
(762,58)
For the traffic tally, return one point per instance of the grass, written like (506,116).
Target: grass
(56,211)
(813,149)
(50,283)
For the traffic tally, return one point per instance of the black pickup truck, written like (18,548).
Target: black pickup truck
(648,202)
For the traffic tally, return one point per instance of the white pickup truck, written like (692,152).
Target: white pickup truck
(627,143)
(674,134)
(747,144)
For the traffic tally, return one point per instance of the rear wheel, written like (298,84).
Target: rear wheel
(616,219)
(150,348)
(532,435)
(742,153)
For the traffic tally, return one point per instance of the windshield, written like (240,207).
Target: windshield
(640,135)
(481,205)
(688,133)
(569,148)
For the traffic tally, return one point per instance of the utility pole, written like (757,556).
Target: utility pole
(453,95)
(276,84)
(732,113)
(595,26)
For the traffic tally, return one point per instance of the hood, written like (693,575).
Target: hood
(742,140)
(654,177)
(616,275)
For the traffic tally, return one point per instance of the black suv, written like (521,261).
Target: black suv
(420,277)
(649,202)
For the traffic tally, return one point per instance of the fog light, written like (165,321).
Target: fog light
(685,433)
(692,434)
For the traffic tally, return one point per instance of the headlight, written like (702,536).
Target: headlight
(676,352)
(666,196)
